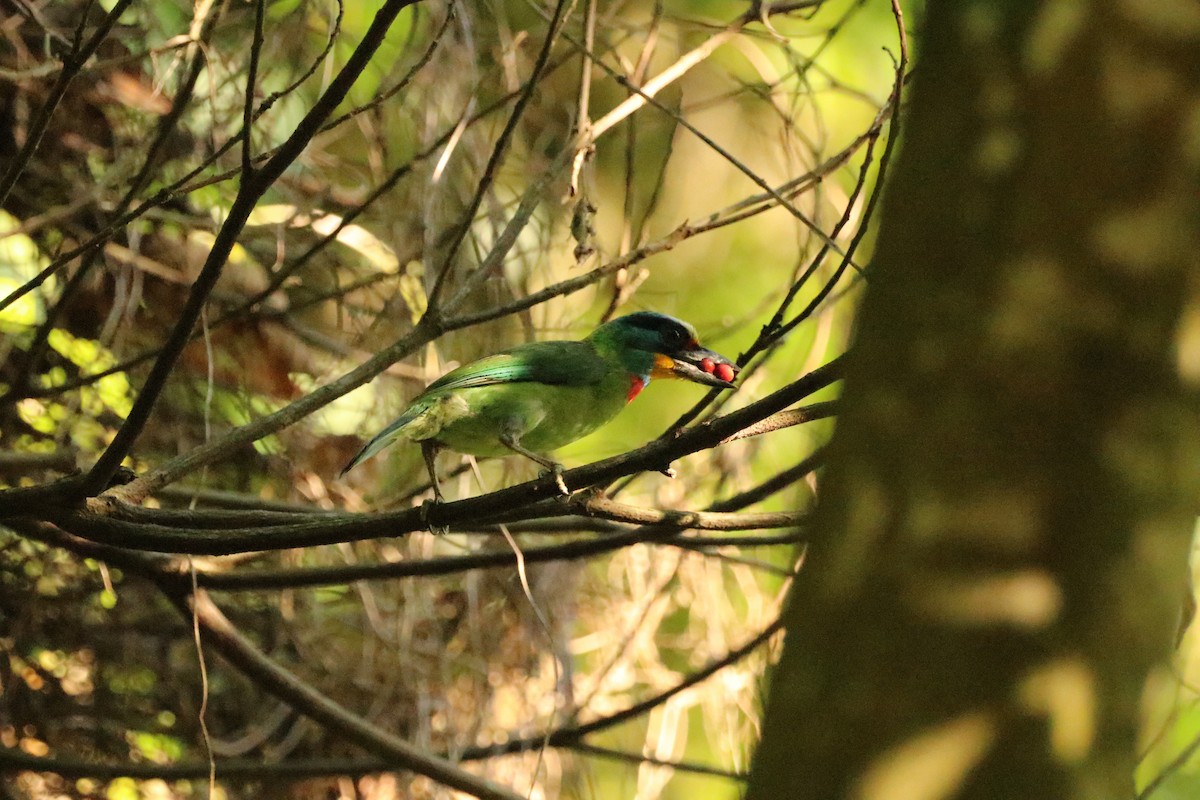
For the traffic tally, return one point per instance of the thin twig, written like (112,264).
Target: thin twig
(499,150)
(253,186)
(226,639)
(72,65)
(655,455)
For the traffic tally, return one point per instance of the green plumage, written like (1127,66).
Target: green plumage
(537,397)
(544,395)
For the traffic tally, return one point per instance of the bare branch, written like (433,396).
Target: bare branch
(253,186)
(97,523)
(225,638)
(73,63)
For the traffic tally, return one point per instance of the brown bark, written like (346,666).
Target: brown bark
(1004,526)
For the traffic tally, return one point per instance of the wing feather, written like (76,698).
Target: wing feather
(553,363)
(550,363)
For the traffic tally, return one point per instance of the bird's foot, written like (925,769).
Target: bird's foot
(426,506)
(556,471)
(668,471)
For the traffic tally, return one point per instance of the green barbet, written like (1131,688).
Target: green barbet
(540,396)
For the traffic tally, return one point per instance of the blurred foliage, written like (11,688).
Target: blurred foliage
(98,666)
(328,272)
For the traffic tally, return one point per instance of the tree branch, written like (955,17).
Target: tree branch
(224,637)
(98,524)
(253,186)
(72,65)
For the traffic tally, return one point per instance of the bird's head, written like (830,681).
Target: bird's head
(655,345)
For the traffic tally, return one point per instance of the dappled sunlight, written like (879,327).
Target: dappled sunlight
(233,258)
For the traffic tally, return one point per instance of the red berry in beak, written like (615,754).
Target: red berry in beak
(708,365)
(723,371)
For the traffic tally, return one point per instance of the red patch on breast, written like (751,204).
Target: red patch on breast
(636,384)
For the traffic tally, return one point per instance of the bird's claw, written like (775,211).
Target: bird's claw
(668,471)
(426,505)
(556,471)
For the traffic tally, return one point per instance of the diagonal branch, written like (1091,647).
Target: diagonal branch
(566,737)
(221,634)
(98,525)
(72,65)
(253,186)
(499,150)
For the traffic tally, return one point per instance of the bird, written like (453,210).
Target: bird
(537,397)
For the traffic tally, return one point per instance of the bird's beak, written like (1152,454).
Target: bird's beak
(697,365)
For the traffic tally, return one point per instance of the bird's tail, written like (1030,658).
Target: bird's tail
(384,437)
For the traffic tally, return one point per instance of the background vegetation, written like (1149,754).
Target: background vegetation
(998,559)
(490,176)
(238,237)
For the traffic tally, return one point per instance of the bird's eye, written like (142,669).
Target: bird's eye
(676,337)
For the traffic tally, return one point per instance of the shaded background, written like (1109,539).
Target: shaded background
(442,150)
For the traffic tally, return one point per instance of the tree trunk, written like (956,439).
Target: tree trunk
(1001,543)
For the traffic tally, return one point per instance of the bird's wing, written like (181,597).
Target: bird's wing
(553,363)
